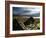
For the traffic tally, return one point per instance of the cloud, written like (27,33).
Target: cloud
(25,11)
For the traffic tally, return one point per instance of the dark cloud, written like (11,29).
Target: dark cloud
(25,11)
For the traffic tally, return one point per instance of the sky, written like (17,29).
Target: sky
(26,11)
